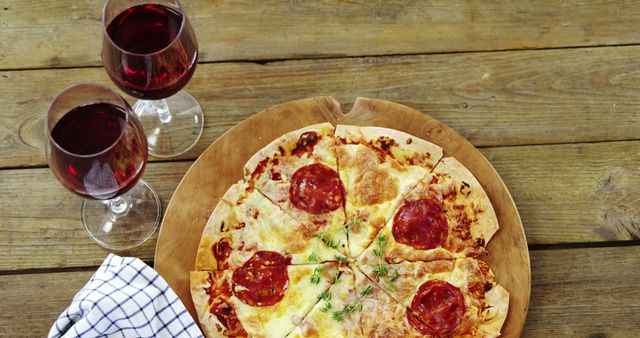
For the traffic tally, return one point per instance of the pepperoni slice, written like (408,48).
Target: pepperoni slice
(266,258)
(421,224)
(437,308)
(316,189)
(262,280)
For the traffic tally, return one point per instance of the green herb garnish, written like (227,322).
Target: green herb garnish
(315,278)
(313,258)
(366,290)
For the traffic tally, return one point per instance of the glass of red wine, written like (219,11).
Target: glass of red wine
(150,52)
(96,147)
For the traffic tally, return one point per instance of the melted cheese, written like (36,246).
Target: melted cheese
(470,217)
(266,227)
(374,189)
(378,166)
(301,295)
(320,323)
(278,159)
(471,276)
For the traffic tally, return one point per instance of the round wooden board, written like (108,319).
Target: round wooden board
(221,165)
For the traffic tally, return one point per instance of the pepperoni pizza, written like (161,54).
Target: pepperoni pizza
(332,229)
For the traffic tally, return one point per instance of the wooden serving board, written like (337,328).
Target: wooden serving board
(221,165)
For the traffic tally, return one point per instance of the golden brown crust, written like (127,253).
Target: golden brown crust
(199,282)
(405,148)
(283,144)
(218,226)
(472,196)
(497,301)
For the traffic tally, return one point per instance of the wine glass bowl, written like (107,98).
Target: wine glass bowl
(150,52)
(97,149)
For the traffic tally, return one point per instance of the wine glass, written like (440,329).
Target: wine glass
(96,148)
(150,52)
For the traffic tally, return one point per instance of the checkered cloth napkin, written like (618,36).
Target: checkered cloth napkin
(125,298)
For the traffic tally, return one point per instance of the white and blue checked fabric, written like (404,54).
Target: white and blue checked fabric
(125,298)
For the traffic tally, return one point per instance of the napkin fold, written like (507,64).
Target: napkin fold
(125,298)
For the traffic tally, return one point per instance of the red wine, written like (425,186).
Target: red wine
(100,154)
(147,63)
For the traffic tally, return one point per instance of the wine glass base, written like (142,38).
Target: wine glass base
(172,125)
(124,222)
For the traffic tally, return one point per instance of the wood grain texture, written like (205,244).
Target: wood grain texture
(588,292)
(493,99)
(240,30)
(40,225)
(574,193)
(32,302)
(568,193)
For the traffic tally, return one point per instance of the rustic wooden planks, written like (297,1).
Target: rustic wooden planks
(40,225)
(32,302)
(41,34)
(565,194)
(576,292)
(493,99)
(590,292)
(574,193)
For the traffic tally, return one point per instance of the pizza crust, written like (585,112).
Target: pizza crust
(498,300)
(217,227)
(208,322)
(409,144)
(283,141)
(487,224)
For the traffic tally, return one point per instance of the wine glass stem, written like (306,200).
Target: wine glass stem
(163,110)
(160,107)
(119,205)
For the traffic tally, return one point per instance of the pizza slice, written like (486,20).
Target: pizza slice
(456,298)
(336,314)
(447,215)
(298,172)
(381,315)
(378,166)
(245,223)
(263,298)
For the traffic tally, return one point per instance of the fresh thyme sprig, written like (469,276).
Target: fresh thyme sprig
(382,269)
(313,258)
(315,277)
(366,290)
(330,242)
(381,243)
(326,297)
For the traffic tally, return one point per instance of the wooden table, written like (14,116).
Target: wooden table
(549,91)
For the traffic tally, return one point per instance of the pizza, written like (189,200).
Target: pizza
(378,166)
(245,222)
(349,231)
(447,215)
(445,298)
